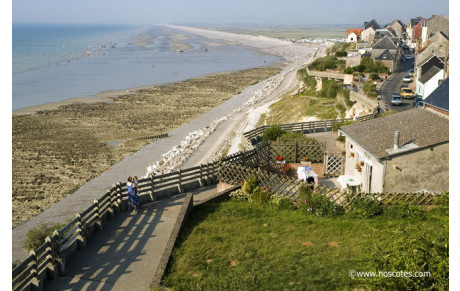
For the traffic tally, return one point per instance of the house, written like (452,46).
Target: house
(354,35)
(438,100)
(429,75)
(402,152)
(413,31)
(368,35)
(429,81)
(438,45)
(399,28)
(381,33)
(373,23)
(434,24)
(386,51)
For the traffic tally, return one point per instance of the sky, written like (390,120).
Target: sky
(146,12)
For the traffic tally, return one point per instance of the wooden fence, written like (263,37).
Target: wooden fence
(49,259)
(255,136)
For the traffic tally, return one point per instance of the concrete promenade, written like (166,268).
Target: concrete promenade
(126,253)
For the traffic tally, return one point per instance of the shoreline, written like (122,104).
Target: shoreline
(88,190)
(106,96)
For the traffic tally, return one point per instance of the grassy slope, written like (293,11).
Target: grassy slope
(240,246)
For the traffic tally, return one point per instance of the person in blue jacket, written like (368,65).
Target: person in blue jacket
(136,197)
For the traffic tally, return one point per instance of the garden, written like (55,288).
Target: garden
(256,241)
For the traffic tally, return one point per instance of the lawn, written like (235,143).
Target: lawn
(236,245)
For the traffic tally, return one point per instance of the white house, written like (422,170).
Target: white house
(429,81)
(402,152)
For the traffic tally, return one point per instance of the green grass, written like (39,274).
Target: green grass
(236,245)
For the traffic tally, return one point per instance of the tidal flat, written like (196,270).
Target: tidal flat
(58,150)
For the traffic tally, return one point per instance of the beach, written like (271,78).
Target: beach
(57,152)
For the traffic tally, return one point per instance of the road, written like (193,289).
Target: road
(393,85)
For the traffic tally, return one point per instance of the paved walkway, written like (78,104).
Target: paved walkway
(126,253)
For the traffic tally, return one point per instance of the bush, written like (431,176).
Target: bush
(36,236)
(260,196)
(349,70)
(412,251)
(280,203)
(250,185)
(318,204)
(272,133)
(365,208)
(403,210)
(374,76)
(341,138)
(341,54)
(329,88)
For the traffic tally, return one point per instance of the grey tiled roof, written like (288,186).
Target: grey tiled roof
(417,126)
(429,74)
(385,43)
(385,56)
(373,23)
(439,98)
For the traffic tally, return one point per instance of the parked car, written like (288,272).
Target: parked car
(408,57)
(407,93)
(407,78)
(418,102)
(396,99)
(411,72)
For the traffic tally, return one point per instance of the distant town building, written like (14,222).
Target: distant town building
(368,35)
(436,23)
(373,23)
(398,27)
(354,34)
(413,31)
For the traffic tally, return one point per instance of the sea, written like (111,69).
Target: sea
(52,62)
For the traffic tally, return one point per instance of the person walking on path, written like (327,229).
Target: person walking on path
(130,187)
(136,197)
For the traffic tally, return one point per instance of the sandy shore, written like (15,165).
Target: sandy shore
(54,160)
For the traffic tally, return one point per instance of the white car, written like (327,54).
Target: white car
(408,57)
(407,78)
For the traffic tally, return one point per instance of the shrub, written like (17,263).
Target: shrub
(317,203)
(349,70)
(442,203)
(374,76)
(260,196)
(341,138)
(250,185)
(404,210)
(412,251)
(272,133)
(341,54)
(280,203)
(365,208)
(36,236)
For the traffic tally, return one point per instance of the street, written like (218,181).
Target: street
(393,85)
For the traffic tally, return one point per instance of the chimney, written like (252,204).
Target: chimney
(396,140)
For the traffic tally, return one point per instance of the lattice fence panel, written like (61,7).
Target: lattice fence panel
(289,188)
(334,164)
(312,152)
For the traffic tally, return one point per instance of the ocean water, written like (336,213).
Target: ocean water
(56,62)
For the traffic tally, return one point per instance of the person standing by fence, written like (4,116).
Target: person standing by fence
(130,187)
(136,196)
